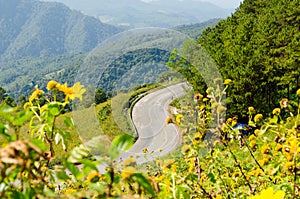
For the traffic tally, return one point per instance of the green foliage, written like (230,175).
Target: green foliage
(46,28)
(100,96)
(3,94)
(217,160)
(225,162)
(195,30)
(257,47)
(134,68)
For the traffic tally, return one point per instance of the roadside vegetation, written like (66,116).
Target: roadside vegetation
(215,161)
(251,152)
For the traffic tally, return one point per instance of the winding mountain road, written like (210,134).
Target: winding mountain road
(149,117)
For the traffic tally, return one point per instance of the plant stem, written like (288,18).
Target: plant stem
(199,177)
(252,155)
(52,137)
(112,177)
(296,152)
(240,168)
(226,187)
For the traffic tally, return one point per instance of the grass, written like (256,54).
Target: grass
(110,119)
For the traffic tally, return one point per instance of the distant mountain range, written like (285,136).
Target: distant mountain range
(30,28)
(40,41)
(158,13)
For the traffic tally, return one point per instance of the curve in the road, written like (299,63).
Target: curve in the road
(149,117)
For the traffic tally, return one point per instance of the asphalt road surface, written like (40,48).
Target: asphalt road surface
(149,117)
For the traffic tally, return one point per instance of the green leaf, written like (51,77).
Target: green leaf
(274,120)
(22,117)
(39,143)
(211,177)
(73,169)
(89,163)
(62,175)
(49,193)
(3,129)
(143,182)
(78,153)
(6,109)
(120,144)
(181,191)
(251,123)
(97,187)
(69,122)
(54,109)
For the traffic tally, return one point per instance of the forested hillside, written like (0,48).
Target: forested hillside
(258,47)
(195,30)
(30,28)
(159,13)
(41,41)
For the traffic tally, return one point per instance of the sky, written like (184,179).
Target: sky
(221,3)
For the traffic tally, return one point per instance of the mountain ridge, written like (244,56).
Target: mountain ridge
(32,28)
(137,13)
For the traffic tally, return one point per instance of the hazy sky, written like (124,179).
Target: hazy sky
(221,3)
(226,3)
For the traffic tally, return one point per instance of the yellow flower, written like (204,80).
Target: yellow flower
(218,197)
(197,138)
(256,172)
(234,121)
(229,121)
(191,165)
(209,90)
(127,172)
(205,99)
(251,109)
(185,149)
(169,120)
(284,103)
(252,144)
(35,94)
(27,104)
(264,160)
(293,143)
(258,118)
(276,111)
(159,178)
(145,150)
(278,147)
(237,174)
(265,149)
(69,191)
(51,84)
(298,92)
(227,81)
(178,119)
(269,193)
(288,166)
(129,162)
(76,91)
(233,186)
(256,132)
(286,151)
(198,97)
(252,137)
(93,177)
(168,163)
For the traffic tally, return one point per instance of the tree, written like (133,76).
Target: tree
(100,96)
(258,48)
(3,94)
